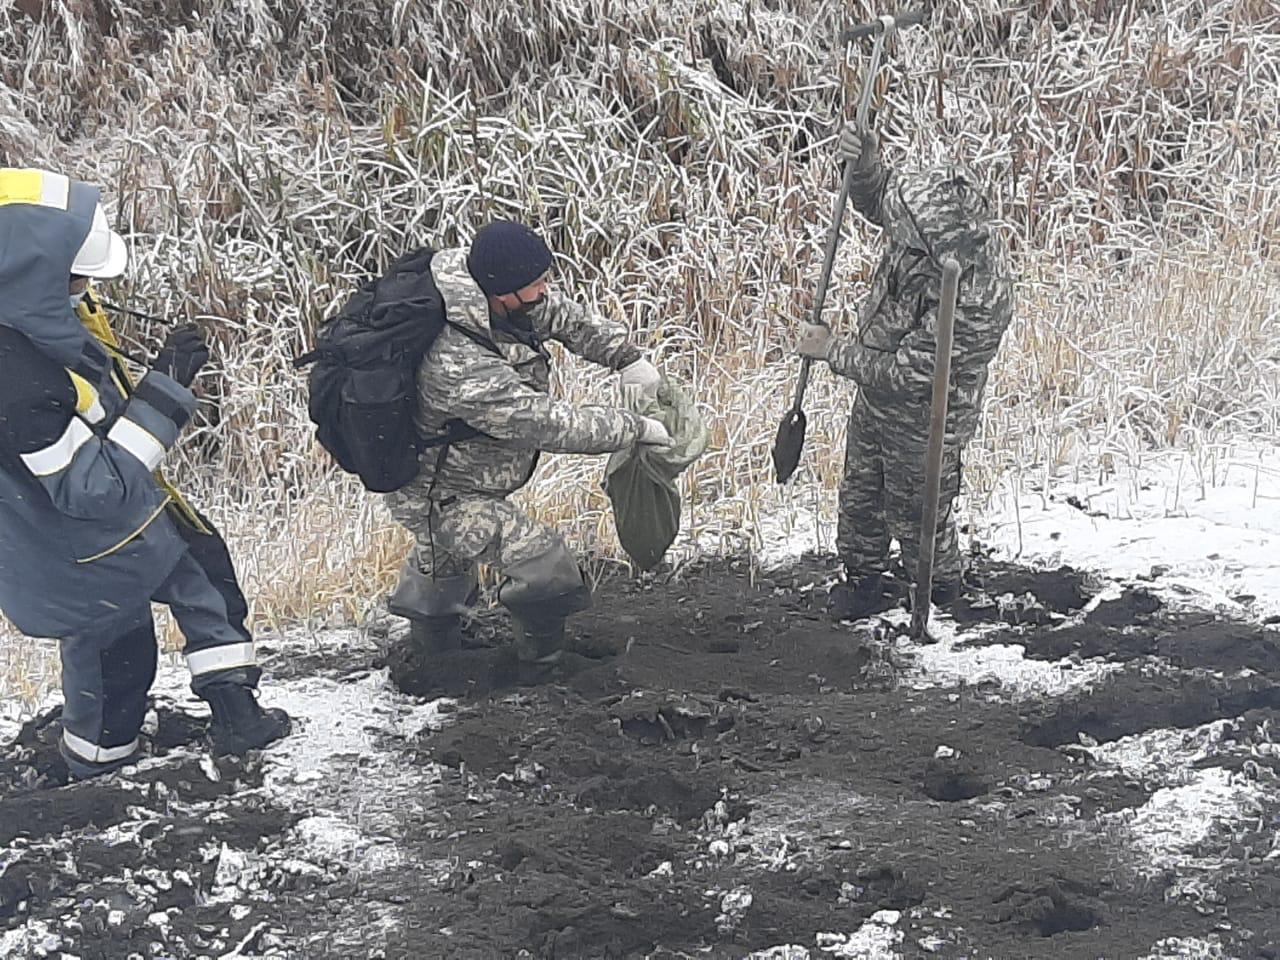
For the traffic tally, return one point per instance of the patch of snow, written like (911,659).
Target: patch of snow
(874,940)
(233,866)
(733,909)
(785,535)
(789,952)
(32,939)
(948,663)
(11,712)
(1209,526)
(1167,829)
(1187,948)
(340,720)
(339,841)
(1165,754)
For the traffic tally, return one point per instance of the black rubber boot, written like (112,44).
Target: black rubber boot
(861,597)
(239,722)
(435,635)
(539,643)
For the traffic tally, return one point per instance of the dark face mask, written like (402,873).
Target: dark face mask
(520,317)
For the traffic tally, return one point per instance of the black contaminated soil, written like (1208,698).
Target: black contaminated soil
(719,768)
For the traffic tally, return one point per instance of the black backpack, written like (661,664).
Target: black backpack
(363,385)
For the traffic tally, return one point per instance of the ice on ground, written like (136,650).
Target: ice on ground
(1208,526)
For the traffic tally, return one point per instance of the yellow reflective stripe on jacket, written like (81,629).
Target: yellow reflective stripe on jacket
(24,185)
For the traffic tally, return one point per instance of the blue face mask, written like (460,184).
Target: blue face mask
(75,299)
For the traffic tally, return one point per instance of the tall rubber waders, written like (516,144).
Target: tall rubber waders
(933,458)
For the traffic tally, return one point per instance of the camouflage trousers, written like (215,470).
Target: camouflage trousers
(454,534)
(881,493)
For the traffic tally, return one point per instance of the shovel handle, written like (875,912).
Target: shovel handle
(116,308)
(882,28)
(824,281)
(885,29)
(907,18)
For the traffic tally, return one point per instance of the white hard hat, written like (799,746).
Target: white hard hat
(103,254)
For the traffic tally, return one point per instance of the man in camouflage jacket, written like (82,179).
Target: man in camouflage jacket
(927,215)
(490,369)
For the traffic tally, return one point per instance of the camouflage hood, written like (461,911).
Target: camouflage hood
(464,302)
(941,212)
(44,218)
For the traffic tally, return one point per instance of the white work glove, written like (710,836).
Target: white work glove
(653,433)
(642,375)
(815,341)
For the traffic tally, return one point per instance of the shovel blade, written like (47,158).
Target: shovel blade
(788,444)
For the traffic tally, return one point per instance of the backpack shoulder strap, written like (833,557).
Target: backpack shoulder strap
(475,337)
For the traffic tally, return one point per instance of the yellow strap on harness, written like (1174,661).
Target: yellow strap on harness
(86,392)
(97,323)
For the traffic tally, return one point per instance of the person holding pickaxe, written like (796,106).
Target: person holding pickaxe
(928,217)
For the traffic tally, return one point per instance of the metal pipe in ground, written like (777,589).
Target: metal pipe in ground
(937,440)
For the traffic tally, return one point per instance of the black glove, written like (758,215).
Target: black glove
(183,354)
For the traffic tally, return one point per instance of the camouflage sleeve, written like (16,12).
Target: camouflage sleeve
(843,358)
(484,390)
(583,332)
(908,371)
(868,188)
(902,372)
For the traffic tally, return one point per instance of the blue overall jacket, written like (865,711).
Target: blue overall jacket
(86,531)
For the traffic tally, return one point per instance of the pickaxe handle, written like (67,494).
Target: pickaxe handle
(937,439)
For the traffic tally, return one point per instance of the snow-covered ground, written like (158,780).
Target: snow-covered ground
(1197,531)
(1205,529)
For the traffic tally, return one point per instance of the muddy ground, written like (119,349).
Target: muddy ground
(722,769)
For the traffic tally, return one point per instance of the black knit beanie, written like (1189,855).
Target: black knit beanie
(506,257)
